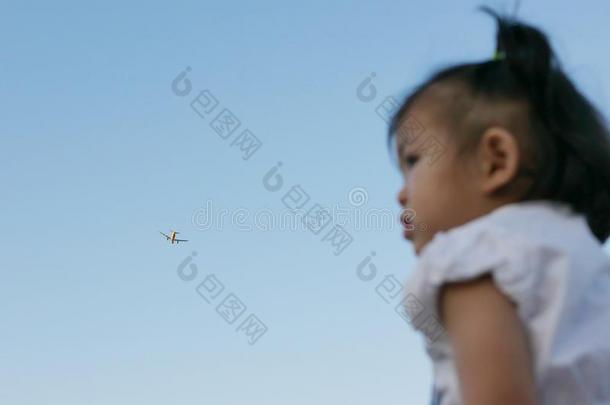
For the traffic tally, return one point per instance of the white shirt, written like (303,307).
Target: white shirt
(545,259)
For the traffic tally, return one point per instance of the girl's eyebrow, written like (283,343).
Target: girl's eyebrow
(402,147)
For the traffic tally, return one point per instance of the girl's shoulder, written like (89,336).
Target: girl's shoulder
(513,234)
(525,246)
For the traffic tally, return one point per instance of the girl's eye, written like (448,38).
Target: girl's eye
(410,160)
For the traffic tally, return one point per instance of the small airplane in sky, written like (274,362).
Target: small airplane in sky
(172,237)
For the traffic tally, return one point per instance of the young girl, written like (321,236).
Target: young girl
(508,226)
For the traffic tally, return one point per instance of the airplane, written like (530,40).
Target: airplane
(172,237)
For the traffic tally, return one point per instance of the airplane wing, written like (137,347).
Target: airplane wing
(164,235)
(182,240)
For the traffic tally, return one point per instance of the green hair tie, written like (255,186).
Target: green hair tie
(499,56)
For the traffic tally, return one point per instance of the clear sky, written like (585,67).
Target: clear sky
(99,154)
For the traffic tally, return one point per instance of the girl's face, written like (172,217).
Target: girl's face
(444,191)
(435,194)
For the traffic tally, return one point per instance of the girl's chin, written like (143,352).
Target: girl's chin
(417,239)
(418,245)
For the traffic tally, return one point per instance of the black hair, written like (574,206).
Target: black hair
(564,138)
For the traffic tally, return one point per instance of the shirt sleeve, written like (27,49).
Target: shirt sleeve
(515,263)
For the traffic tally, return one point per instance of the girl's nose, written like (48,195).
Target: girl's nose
(402,197)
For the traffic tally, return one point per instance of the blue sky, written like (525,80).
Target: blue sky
(100,154)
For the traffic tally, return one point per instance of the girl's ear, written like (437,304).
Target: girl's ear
(486,167)
(498,158)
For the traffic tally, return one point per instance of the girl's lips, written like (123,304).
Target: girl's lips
(409,228)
